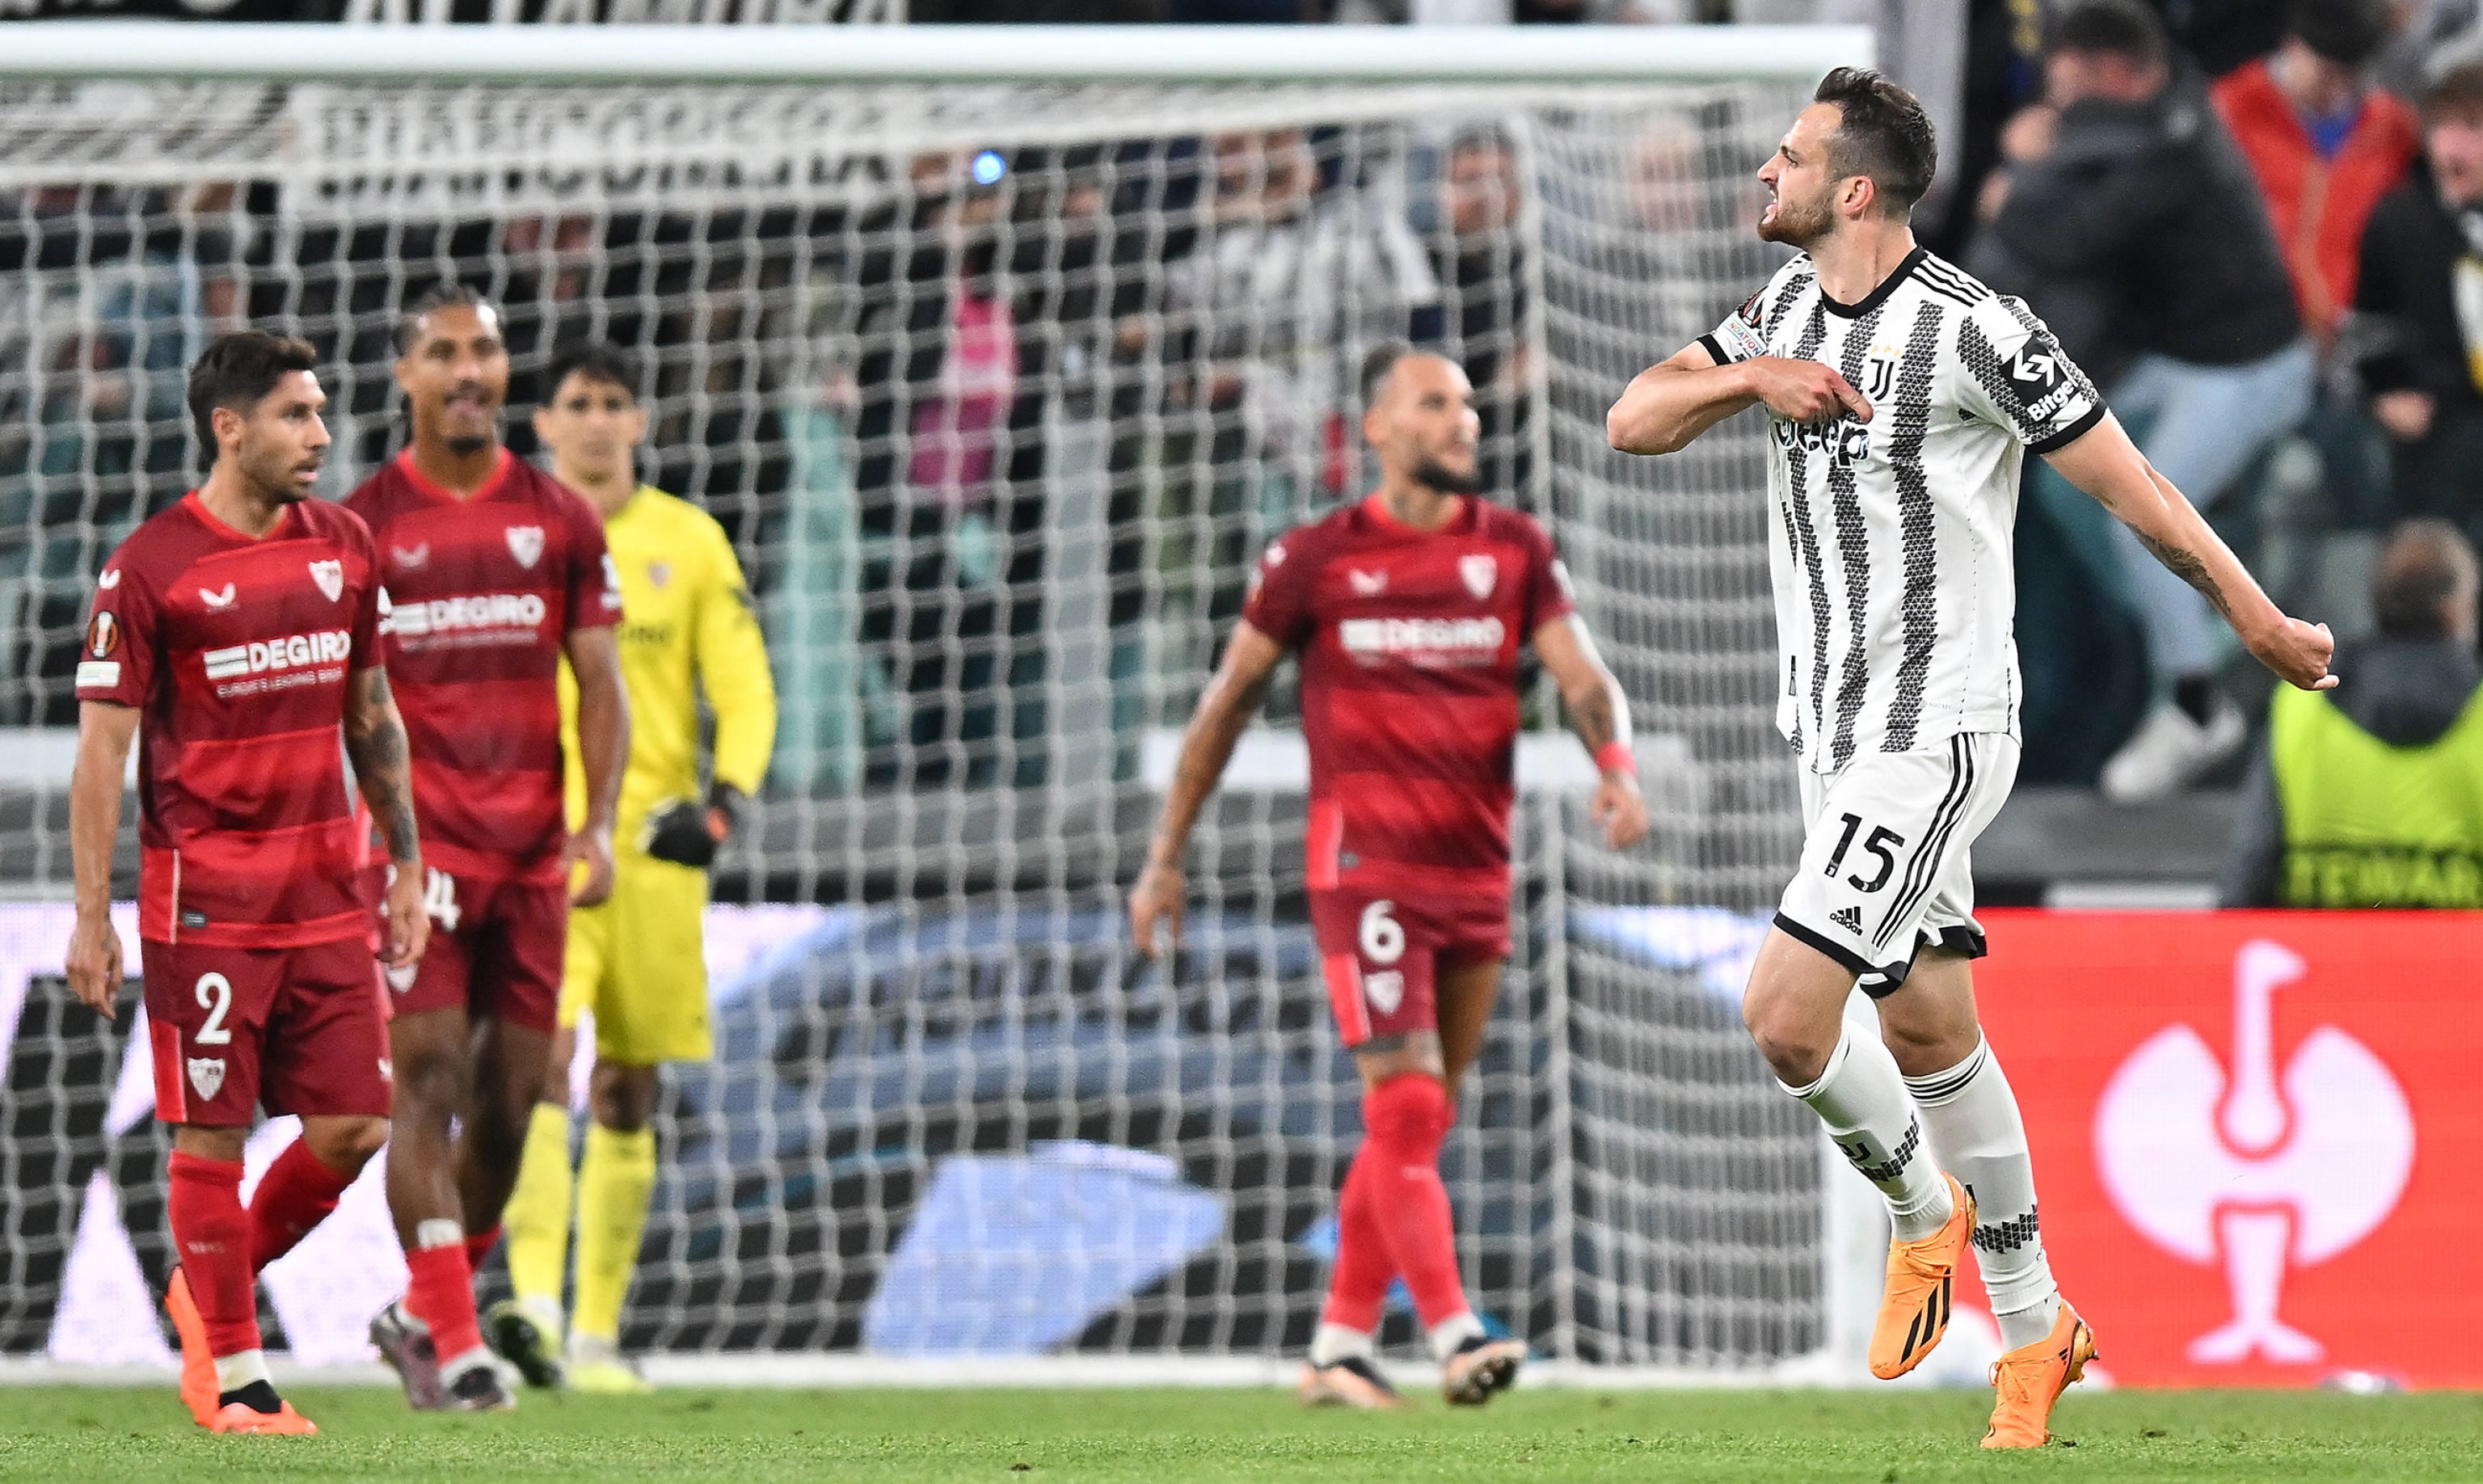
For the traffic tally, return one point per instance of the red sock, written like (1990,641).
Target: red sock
(1404,1120)
(440,1292)
(1358,1283)
(213,1235)
(296,1194)
(477,1248)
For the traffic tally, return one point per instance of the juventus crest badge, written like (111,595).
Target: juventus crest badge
(1880,374)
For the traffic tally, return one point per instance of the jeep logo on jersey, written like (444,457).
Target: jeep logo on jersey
(296,651)
(1844,440)
(331,578)
(1425,642)
(1480,573)
(525,544)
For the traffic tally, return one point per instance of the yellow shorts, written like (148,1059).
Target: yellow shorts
(639,963)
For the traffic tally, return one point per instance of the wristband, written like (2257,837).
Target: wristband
(1616,758)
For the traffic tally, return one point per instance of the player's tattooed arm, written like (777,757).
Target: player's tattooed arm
(1599,714)
(383,763)
(2191,569)
(1233,696)
(2108,467)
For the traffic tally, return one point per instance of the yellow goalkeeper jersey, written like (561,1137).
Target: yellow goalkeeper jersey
(686,628)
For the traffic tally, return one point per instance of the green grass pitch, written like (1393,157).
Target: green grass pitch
(747,1437)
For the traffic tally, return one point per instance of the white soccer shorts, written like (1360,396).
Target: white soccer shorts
(1885,863)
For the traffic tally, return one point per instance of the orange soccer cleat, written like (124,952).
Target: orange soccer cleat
(2032,1377)
(198,1368)
(1480,1368)
(1914,1309)
(241,1418)
(1353,1382)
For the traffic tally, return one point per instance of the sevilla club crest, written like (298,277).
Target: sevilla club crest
(208,1074)
(331,578)
(1480,573)
(525,544)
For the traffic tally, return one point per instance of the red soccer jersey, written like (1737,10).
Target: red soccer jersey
(487,592)
(1408,643)
(236,653)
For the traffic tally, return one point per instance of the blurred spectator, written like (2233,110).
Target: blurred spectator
(2421,296)
(1482,271)
(2371,795)
(1293,276)
(2125,183)
(2324,143)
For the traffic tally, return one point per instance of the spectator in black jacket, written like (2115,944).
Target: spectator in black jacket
(2124,179)
(2421,299)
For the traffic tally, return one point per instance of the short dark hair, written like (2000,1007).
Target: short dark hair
(2349,33)
(1377,363)
(2455,95)
(437,297)
(1882,132)
(2424,564)
(237,370)
(593,359)
(2113,28)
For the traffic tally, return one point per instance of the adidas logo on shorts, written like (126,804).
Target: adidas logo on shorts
(1850,918)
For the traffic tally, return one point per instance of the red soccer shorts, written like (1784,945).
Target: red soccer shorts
(1382,955)
(497,949)
(293,1030)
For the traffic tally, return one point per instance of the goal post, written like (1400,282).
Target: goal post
(999,351)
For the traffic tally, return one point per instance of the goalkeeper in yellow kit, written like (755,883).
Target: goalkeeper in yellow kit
(636,963)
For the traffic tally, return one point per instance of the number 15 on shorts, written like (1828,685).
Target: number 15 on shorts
(1879,855)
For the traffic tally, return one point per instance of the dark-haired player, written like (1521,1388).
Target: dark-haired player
(1902,397)
(497,573)
(636,963)
(238,635)
(1407,611)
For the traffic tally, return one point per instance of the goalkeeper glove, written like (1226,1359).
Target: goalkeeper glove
(682,831)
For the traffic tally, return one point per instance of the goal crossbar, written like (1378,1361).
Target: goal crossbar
(250,52)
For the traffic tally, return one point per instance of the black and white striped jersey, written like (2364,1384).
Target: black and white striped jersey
(1895,597)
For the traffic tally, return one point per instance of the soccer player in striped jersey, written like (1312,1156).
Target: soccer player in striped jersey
(1407,611)
(1902,397)
(637,961)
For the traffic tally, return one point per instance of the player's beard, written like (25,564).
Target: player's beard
(1794,224)
(1432,474)
(272,475)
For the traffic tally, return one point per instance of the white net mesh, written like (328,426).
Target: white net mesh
(999,388)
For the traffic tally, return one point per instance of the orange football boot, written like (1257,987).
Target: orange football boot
(1914,1309)
(1353,1382)
(2032,1377)
(283,1422)
(199,1391)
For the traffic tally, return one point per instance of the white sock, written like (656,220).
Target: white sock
(1973,1120)
(1452,1331)
(1334,1343)
(1861,1099)
(455,1366)
(240,1368)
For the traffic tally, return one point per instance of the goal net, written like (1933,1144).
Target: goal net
(999,386)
